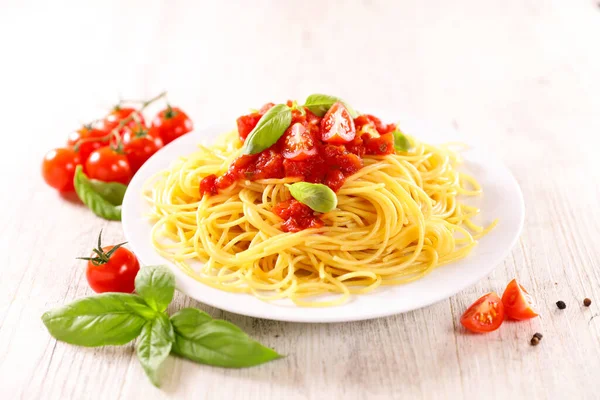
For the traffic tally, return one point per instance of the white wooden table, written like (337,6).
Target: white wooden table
(523,77)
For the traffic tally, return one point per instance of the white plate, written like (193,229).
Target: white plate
(502,199)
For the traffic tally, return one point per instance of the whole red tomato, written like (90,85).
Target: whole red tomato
(108,165)
(111,269)
(171,123)
(58,168)
(87,140)
(139,146)
(118,114)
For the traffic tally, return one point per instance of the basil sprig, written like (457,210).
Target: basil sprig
(118,318)
(318,104)
(317,196)
(269,129)
(103,198)
(401,142)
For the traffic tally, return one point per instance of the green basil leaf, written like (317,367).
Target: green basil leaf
(154,345)
(105,319)
(156,285)
(269,129)
(318,104)
(113,192)
(104,199)
(401,142)
(216,342)
(315,195)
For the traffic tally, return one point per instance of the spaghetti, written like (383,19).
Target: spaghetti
(397,218)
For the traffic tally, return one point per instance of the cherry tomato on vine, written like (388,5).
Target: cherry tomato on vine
(485,315)
(89,139)
(139,146)
(58,168)
(108,165)
(118,114)
(171,123)
(337,125)
(518,304)
(111,269)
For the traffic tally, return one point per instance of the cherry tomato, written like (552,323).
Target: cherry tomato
(298,143)
(87,145)
(118,114)
(171,123)
(485,315)
(337,126)
(105,164)
(112,269)
(139,146)
(518,304)
(58,168)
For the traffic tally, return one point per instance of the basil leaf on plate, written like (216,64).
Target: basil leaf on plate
(200,338)
(269,129)
(318,104)
(156,285)
(317,196)
(401,142)
(154,345)
(103,198)
(105,319)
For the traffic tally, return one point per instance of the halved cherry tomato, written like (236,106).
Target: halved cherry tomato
(518,304)
(139,146)
(298,143)
(485,315)
(112,269)
(337,126)
(118,114)
(58,168)
(89,139)
(171,123)
(107,165)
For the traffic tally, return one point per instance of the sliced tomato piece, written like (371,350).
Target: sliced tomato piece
(207,185)
(298,143)
(518,304)
(266,108)
(485,315)
(381,145)
(246,123)
(337,126)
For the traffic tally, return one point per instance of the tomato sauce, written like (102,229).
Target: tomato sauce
(318,150)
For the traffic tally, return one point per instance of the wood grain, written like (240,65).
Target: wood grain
(520,77)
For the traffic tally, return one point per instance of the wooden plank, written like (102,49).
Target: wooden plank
(520,78)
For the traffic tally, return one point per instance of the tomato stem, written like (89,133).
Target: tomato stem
(102,257)
(134,116)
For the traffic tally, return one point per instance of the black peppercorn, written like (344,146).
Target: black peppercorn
(538,335)
(587,302)
(561,305)
(535,341)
